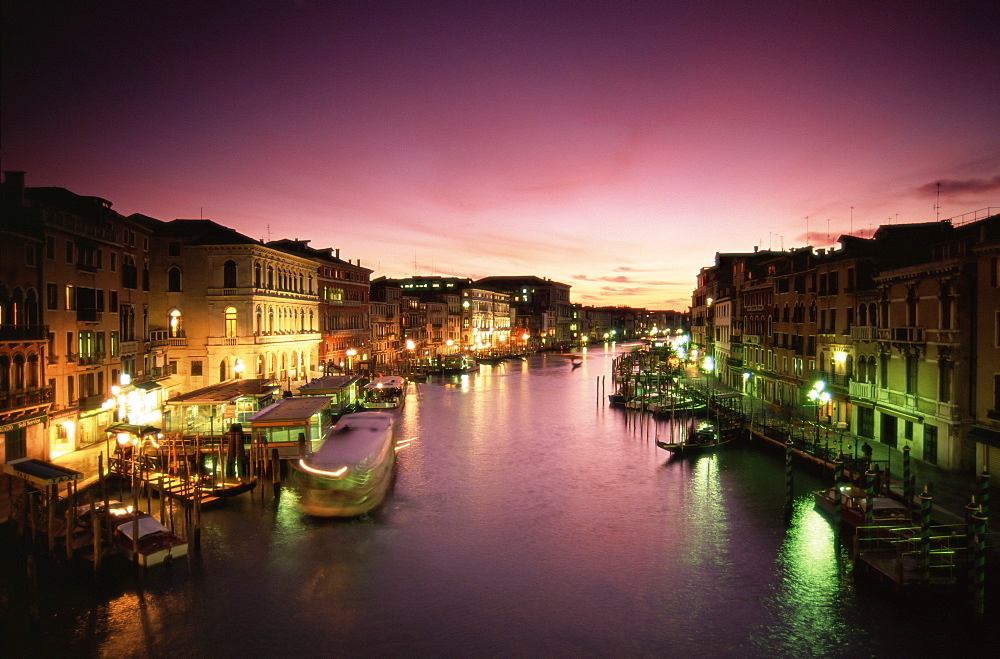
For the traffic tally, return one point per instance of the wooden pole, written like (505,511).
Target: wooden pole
(52,492)
(95,529)
(926,503)
(197,521)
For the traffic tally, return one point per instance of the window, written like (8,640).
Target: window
(930,443)
(945,369)
(230,322)
(113,336)
(174,280)
(16,444)
(911,374)
(70,298)
(196,367)
(69,251)
(113,301)
(174,326)
(114,261)
(173,248)
(866,422)
(30,255)
(51,296)
(229,274)
(50,248)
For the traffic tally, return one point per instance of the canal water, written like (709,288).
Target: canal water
(527,519)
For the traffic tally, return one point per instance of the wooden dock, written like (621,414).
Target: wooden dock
(895,555)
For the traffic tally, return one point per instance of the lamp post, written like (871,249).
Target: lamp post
(351,352)
(238,368)
(819,396)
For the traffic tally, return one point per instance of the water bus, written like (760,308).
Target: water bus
(350,473)
(384,392)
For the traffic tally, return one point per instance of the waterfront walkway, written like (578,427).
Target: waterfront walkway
(950,491)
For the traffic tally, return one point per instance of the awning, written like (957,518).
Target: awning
(984,436)
(40,473)
(138,431)
(148,385)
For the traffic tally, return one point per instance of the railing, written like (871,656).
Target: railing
(286,338)
(24,332)
(27,398)
(177,341)
(901,334)
(973,216)
(863,333)
(753,339)
(128,347)
(862,390)
(88,403)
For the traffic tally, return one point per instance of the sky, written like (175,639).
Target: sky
(611,146)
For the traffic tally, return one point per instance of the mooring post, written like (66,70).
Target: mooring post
(838,478)
(971,509)
(984,494)
(870,493)
(907,482)
(979,558)
(926,503)
(788,479)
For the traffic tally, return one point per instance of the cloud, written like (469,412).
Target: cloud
(966,186)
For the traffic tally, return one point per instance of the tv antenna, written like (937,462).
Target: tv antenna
(937,203)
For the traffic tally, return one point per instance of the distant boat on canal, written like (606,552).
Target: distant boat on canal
(704,439)
(350,473)
(384,392)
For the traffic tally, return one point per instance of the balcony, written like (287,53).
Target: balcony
(863,333)
(864,390)
(752,339)
(287,338)
(901,334)
(90,403)
(128,347)
(24,333)
(25,399)
(177,341)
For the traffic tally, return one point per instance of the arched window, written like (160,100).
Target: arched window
(222,370)
(256,274)
(32,373)
(229,274)
(31,308)
(5,317)
(175,329)
(230,323)
(17,376)
(259,321)
(260,366)
(174,280)
(863,315)
(270,320)
(4,373)
(270,277)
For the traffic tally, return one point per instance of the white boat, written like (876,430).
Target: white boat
(384,393)
(157,544)
(350,473)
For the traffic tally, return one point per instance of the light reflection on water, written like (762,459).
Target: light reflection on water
(527,519)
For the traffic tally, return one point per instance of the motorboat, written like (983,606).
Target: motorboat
(351,471)
(854,506)
(384,392)
(703,439)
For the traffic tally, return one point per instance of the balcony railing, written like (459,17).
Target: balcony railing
(177,341)
(89,403)
(24,333)
(128,347)
(24,399)
(863,390)
(901,334)
(863,333)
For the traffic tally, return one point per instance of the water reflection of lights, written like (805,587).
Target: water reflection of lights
(810,565)
(403,443)
(322,472)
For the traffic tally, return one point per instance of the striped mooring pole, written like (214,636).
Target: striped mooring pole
(838,478)
(971,509)
(870,493)
(926,501)
(907,482)
(788,479)
(984,494)
(979,564)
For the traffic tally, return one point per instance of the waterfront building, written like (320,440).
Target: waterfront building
(93,265)
(234,307)
(344,307)
(386,332)
(542,305)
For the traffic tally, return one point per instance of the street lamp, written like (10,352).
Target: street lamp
(238,368)
(351,352)
(819,396)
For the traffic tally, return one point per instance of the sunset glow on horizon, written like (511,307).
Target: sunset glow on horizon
(615,147)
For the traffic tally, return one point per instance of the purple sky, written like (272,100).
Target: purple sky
(613,146)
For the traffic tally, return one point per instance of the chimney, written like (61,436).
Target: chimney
(338,252)
(15,181)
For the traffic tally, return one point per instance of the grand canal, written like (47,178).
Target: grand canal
(527,519)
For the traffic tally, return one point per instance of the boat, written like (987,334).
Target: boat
(854,506)
(350,473)
(156,545)
(384,392)
(704,439)
(459,364)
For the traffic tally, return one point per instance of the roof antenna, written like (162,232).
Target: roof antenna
(807,230)
(852,219)
(937,203)
(268,233)
(201,212)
